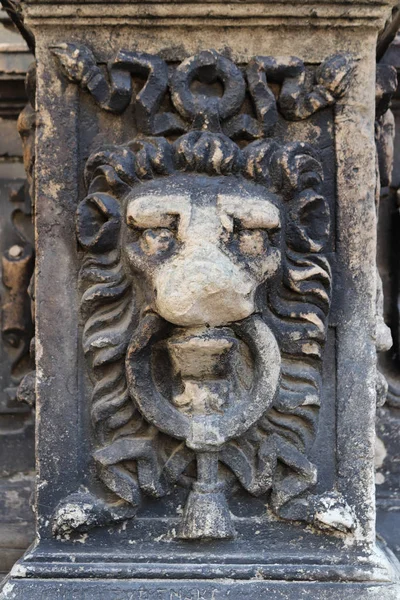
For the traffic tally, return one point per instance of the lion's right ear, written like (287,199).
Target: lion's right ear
(98,221)
(115,163)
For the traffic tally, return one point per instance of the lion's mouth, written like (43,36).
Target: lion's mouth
(202,353)
(203,385)
(203,367)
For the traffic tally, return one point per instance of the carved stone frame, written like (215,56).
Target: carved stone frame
(248,30)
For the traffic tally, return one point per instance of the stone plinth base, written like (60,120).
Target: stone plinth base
(39,575)
(162,589)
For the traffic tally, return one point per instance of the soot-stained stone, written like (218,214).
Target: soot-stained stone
(204,208)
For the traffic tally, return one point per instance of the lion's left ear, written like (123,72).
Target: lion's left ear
(308,222)
(298,174)
(98,221)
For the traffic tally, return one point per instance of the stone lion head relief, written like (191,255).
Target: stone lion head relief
(204,299)
(205,290)
(203,246)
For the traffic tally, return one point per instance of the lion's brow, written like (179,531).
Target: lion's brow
(252,212)
(156,211)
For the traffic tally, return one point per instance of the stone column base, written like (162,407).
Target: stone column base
(47,577)
(161,589)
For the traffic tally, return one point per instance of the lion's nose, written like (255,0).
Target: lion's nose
(203,287)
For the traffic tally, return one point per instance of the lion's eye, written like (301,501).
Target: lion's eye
(252,242)
(158,240)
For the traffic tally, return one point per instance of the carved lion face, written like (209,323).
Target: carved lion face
(205,294)
(202,245)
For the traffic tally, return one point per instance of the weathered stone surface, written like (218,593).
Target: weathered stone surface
(388,416)
(16,267)
(194,590)
(206,301)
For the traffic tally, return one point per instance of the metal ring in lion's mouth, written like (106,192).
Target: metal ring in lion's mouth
(238,417)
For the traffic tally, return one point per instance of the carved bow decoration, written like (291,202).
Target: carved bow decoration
(302,93)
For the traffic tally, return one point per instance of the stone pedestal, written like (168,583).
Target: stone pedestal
(205,302)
